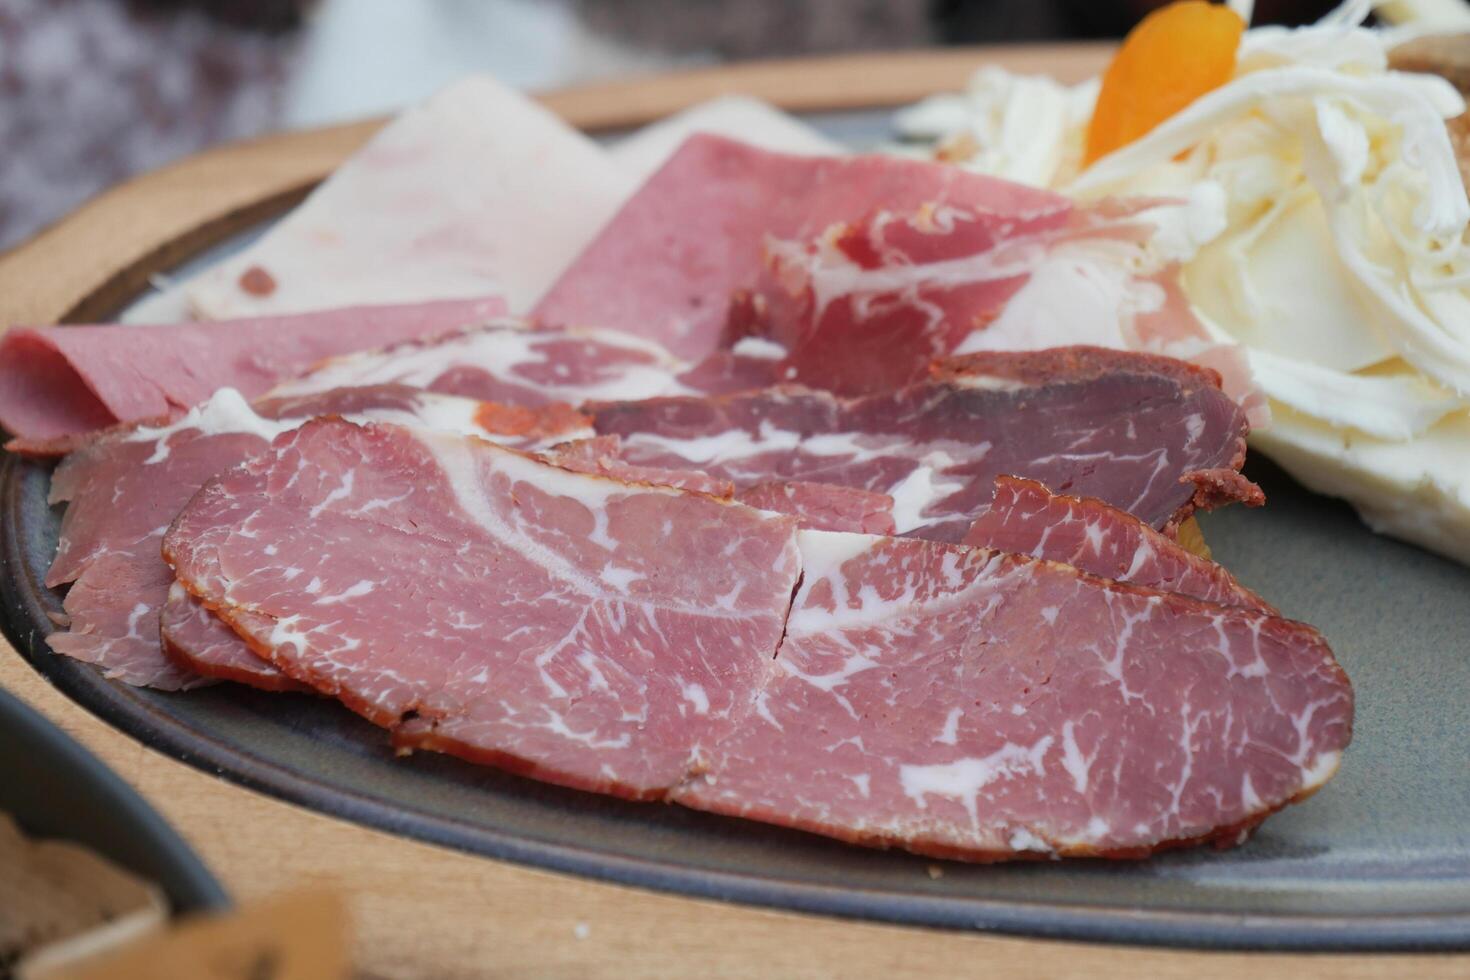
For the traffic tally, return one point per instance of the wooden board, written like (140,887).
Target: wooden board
(424,911)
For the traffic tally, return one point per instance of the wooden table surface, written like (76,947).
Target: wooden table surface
(426,911)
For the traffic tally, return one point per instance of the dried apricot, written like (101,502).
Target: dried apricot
(1172,57)
(1192,538)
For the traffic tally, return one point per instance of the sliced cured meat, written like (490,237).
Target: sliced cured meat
(867,305)
(968,703)
(564,625)
(198,641)
(659,644)
(1149,435)
(509,363)
(125,486)
(665,267)
(510,425)
(1028,519)
(479,190)
(824,506)
(56,381)
(599,455)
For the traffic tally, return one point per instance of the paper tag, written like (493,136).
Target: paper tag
(303,936)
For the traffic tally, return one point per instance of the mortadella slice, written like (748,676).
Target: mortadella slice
(478,190)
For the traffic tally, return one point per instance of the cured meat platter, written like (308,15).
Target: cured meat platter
(1379,859)
(272,785)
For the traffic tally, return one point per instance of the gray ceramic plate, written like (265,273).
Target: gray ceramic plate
(1379,859)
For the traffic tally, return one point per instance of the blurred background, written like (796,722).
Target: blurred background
(92,91)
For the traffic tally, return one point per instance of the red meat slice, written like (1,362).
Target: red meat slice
(647,642)
(824,506)
(1028,519)
(579,630)
(511,363)
(199,642)
(865,306)
(599,456)
(666,265)
(1136,431)
(972,704)
(123,487)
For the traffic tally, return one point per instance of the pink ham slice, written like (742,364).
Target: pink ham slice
(580,631)
(1149,435)
(647,642)
(55,381)
(1028,519)
(124,487)
(971,704)
(666,265)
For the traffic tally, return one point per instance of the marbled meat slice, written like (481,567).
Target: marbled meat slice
(824,506)
(123,487)
(56,381)
(1028,519)
(200,643)
(666,265)
(660,644)
(867,305)
(1149,435)
(510,362)
(599,455)
(972,704)
(482,602)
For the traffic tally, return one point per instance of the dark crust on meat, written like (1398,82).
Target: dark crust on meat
(1102,507)
(1220,838)
(1217,487)
(278,682)
(1067,364)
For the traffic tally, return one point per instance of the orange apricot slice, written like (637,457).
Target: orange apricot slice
(1172,57)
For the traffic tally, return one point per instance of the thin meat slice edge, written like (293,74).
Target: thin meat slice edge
(511,361)
(199,642)
(1028,519)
